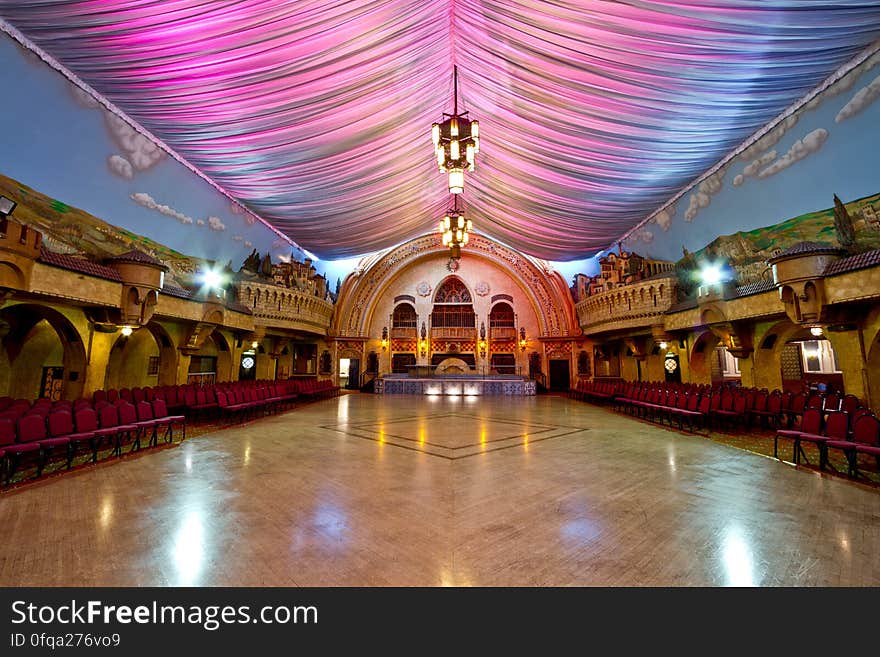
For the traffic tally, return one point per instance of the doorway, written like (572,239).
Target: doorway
(559,375)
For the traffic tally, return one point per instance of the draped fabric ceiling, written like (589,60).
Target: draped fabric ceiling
(316,114)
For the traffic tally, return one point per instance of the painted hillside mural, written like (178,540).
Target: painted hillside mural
(853,227)
(72,231)
(747,252)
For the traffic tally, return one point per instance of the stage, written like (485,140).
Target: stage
(455,384)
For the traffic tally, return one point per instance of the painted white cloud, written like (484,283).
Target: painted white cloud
(147,201)
(215,223)
(754,167)
(237,238)
(864,97)
(800,149)
(120,166)
(664,217)
(846,82)
(138,149)
(642,235)
(703,196)
(200,222)
(248,244)
(770,139)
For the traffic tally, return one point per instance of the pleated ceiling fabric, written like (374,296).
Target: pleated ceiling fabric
(316,114)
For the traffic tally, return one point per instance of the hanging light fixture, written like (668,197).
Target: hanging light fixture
(456,142)
(455,229)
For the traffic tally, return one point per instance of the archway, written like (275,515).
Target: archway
(704,367)
(42,355)
(212,363)
(134,361)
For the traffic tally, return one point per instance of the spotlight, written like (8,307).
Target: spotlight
(212,279)
(127,330)
(816,330)
(663,345)
(7,206)
(711,274)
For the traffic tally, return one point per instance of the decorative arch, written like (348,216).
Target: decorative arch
(545,288)
(24,321)
(452,290)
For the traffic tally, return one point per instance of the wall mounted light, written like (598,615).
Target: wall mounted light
(522,338)
(424,341)
(384,338)
(255,344)
(816,331)
(126,330)
(663,345)
(7,206)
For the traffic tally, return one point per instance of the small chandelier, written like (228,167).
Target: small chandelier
(455,229)
(456,143)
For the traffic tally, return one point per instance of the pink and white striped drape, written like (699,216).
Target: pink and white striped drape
(316,113)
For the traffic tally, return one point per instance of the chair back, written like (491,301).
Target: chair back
(7,431)
(811,422)
(86,420)
(159,408)
(60,423)
(31,428)
(837,425)
(866,431)
(144,411)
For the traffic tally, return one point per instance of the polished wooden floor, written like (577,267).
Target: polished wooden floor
(371,490)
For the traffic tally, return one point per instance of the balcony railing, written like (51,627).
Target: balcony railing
(403,332)
(453,333)
(502,333)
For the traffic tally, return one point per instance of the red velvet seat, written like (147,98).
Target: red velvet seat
(60,424)
(86,422)
(865,440)
(836,428)
(112,429)
(160,413)
(811,423)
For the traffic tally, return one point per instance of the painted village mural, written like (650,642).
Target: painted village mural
(71,231)
(779,189)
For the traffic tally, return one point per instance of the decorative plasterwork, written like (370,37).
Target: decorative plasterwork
(549,296)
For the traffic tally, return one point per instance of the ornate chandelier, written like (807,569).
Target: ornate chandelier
(455,229)
(456,143)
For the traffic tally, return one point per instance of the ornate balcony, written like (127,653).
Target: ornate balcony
(636,305)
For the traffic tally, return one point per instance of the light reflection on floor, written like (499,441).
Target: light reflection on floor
(576,495)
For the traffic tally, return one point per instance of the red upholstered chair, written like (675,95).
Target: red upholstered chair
(112,395)
(128,416)
(112,429)
(836,428)
(865,440)
(32,431)
(850,403)
(86,422)
(60,425)
(7,438)
(160,413)
(811,423)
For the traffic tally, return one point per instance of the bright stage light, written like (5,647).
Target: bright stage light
(711,274)
(212,279)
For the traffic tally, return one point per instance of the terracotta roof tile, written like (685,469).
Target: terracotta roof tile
(755,288)
(860,261)
(81,265)
(803,248)
(178,292)
(138,257)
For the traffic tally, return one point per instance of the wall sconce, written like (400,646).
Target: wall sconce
(254,345)
(522,338)
(424,342)
(482,343)
(384,338)
(482,348)
(663,345)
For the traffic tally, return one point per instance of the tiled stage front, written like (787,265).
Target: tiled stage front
(398,490)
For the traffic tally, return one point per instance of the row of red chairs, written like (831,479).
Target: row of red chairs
(852,433)
(45,428)
(742,405)
(831,421)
